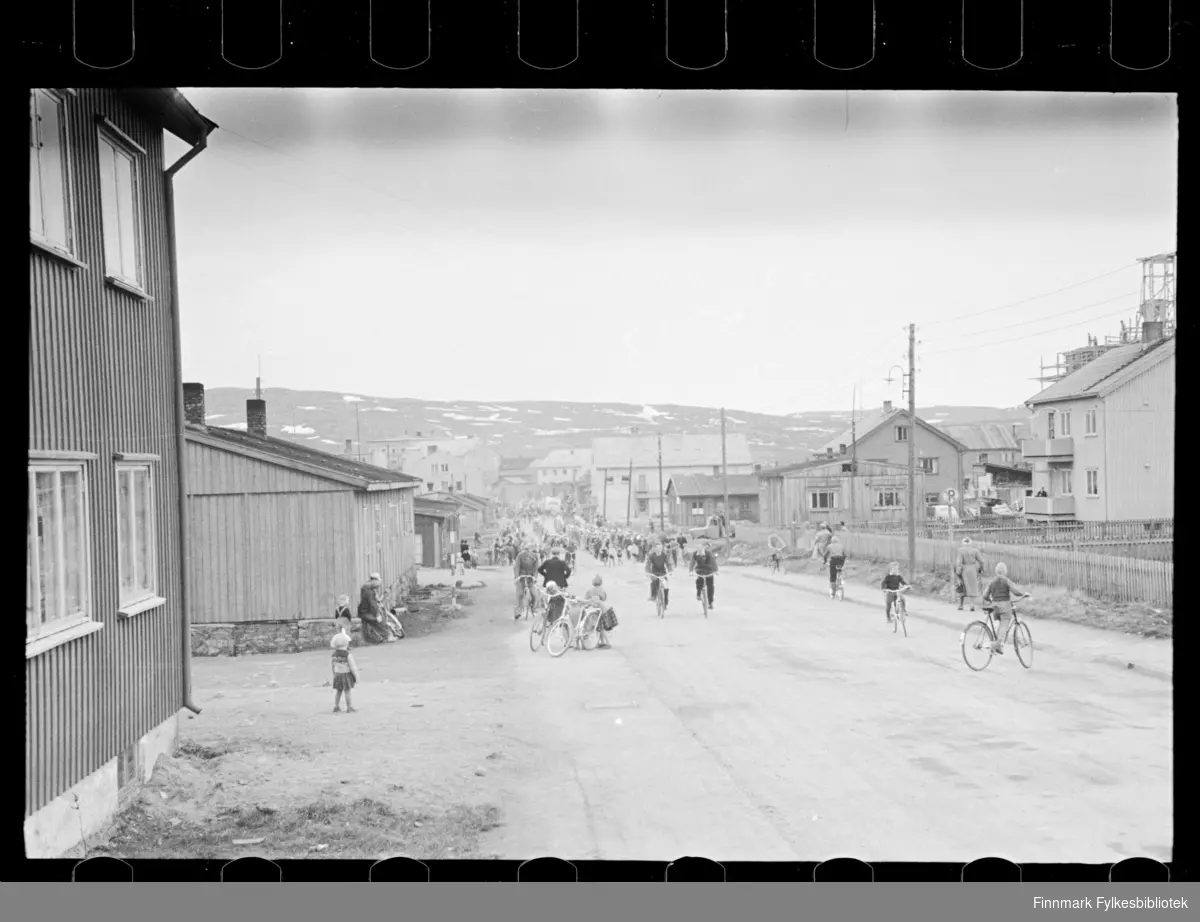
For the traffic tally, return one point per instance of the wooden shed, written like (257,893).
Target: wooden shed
(437,529)
(835,490)
(279,530)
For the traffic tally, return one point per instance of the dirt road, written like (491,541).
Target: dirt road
(789,726)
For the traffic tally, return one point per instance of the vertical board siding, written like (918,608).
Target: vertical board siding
(102,379)
(1139,469)
(213,471)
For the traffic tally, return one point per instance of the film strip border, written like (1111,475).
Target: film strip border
(258,869)
(230,41)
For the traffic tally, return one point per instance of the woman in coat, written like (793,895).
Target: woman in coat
(374,625)
(968,569)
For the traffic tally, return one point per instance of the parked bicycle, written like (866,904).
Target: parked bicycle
(979,643)
(577,626)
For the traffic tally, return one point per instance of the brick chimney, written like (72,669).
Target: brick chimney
(193,403)
(887,406)
(1152,331)
(256,417)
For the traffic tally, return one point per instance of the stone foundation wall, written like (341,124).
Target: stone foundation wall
(250,637)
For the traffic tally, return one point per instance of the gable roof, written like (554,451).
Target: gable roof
(566,457)
(301,458)
(423,505)
(515,465)
(708,485)
(678,450)
(1103,374)
(469,500)
(173,112)
(875,420)
(839,460)
(985,436)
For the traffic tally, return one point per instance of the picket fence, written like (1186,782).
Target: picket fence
(1101,576)
(1024,531)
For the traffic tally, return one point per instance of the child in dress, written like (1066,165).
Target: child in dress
(342,614)
(345,671)
(608,620)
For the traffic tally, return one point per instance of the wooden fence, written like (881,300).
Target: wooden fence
(1101,576)
(1023,531)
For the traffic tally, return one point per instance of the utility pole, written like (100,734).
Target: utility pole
(662,512)
(853,448)
(358,432)
(604,502)
(725,477)
(629,496)
(912,449)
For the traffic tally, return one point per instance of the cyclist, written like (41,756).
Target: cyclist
(658,565)
(821,542)
(704,565)
(836,554)
(998,596)
(524,572)
(892,581)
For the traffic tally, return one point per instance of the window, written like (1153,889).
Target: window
(1065,422)
(823,499)
(429,486)
(51,213)
(888,499)
(624,478)
(1050,424)
(698,510)
(901,433)
(458,485)
(1093,482)
(641,482)
(119,197)
(1089,422)
(928,465)
(1068,482)
(136,563)
(608,479)
(842,448)
(57,572)
(983,455)
(643,505)
(933,499)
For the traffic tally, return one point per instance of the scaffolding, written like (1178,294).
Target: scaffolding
(1155,316)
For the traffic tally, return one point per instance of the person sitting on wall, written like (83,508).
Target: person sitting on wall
(375,628)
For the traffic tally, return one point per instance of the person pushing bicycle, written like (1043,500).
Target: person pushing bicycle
(998,597)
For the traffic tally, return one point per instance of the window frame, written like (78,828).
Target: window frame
(983,457)
(64,627)
(148,597)
(69,249)
(896,492)
(929,465)
(1092,478)
(1089,423)
(1068,482)
(109,134)
(1064,423)
(901,433)
(832,492)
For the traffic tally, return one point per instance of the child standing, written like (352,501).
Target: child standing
(345,671)
(342,614)
(608,619)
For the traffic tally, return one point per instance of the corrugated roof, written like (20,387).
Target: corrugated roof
(1089,379)
(985,436)
(291,454)
(708,485)
(678,450)
(566,457)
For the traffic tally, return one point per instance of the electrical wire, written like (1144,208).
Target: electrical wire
(1015,339)
(1047,294)
(1025,323)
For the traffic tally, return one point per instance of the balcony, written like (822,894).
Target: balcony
(1048,449)
(1050,507)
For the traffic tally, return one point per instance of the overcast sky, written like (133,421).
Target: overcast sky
(761,251)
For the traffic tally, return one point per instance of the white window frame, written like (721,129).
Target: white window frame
(1093,481)
(901,433)
(896,493)
(928,465)
(41,635)
(1068,482)
(1064,422)
(68,247)
(1089,422)
(144,597)
(813,495)
(117,274)
(983,457)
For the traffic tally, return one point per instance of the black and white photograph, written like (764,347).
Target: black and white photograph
(601,474)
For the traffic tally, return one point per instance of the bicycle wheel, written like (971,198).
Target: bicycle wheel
(977,640)
(537,633)
(704,602)
(659,608)
(840,592)
(589,631)
(1023,644)
(558,638)
(903,617)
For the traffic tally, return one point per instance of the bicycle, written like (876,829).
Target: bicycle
(839,585)
(704,578)
(581,631)
(983,639)
(389,618)
(660,597)
(900,616)
(528,600)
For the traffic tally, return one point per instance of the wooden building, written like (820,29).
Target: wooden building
(475,513)
(694,498)
(106,662)
(279,530)
(830,491)
(437,531)
(1103,443)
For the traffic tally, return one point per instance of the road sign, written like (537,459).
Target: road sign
(950,494)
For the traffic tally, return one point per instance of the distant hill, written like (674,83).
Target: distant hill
(324,419)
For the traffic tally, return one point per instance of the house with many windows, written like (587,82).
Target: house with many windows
(106,606)
(835,490)
(1103,443)
(883,435)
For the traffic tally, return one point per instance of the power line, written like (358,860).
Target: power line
(1025,323)
(1034,297)
(1029,336)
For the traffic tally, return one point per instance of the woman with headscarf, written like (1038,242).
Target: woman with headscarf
(968,571)
(375,628)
